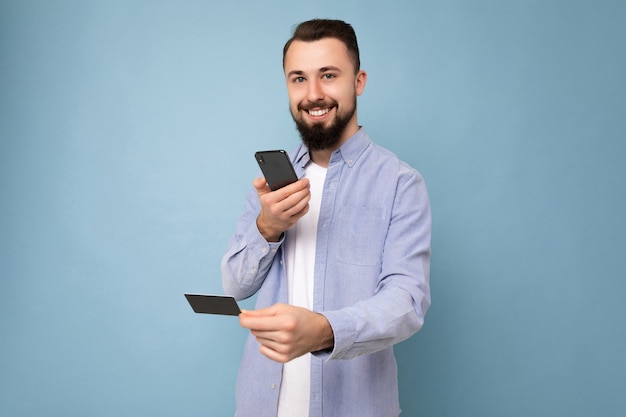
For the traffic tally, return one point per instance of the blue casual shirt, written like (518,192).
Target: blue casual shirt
(372,267)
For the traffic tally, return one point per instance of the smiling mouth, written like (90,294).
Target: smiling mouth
(318,112)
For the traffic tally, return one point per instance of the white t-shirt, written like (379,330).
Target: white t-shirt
(295,388)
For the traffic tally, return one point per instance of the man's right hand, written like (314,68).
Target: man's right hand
(282,208)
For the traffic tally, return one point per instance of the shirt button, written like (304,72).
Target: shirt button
(273,386)
(264,250)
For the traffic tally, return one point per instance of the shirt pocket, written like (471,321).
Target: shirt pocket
(361,234)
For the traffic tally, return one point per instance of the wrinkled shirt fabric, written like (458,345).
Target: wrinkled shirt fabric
(372,267)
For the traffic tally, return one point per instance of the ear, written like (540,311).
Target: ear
(359,82)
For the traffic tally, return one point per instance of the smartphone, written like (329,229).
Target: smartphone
(276,168)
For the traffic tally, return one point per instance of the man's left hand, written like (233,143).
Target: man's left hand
(286,332)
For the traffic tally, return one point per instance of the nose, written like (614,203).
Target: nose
(315,92)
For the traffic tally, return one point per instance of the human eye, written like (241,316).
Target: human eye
(329,76)
(298,79)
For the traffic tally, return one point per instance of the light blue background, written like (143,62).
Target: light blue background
(127,131)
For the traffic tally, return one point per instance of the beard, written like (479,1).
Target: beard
(317,136)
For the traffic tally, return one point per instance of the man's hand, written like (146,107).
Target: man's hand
(286,332)
(282,208)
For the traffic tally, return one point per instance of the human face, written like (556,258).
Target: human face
(322,86)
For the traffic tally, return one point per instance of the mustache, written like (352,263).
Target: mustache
(324,104)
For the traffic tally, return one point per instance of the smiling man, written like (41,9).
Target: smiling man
(323,81)
(339,260)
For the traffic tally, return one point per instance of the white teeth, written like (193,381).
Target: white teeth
(317,113)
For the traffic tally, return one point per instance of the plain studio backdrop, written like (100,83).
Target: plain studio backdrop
(127,135)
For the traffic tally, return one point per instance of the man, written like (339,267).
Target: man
(339,260)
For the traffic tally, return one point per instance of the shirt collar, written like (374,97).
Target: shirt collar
(350,151)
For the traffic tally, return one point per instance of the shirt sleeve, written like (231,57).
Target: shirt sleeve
(249,256)
(396,310)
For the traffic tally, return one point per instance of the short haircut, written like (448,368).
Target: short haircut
(317,29)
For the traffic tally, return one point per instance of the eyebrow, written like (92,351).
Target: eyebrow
(294,72)
(321,71)
(329,68)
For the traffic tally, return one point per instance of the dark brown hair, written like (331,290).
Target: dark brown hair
(317,29)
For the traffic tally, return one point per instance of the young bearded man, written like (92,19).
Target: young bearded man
(339,260)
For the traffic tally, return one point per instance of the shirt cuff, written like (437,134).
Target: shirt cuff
(344,331)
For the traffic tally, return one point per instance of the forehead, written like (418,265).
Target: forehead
(312,56)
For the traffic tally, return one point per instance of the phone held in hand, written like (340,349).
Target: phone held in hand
(276,168)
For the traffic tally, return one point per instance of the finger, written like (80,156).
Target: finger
(294,203)
(260,323)
(266,311)
(261,186)
(300,186)
(274,355)
(299,209)
(269,339)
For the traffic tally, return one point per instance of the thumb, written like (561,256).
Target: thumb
(261,185)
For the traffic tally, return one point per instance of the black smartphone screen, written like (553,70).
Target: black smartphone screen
(276,168)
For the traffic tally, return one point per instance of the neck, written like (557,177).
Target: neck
(322,157)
